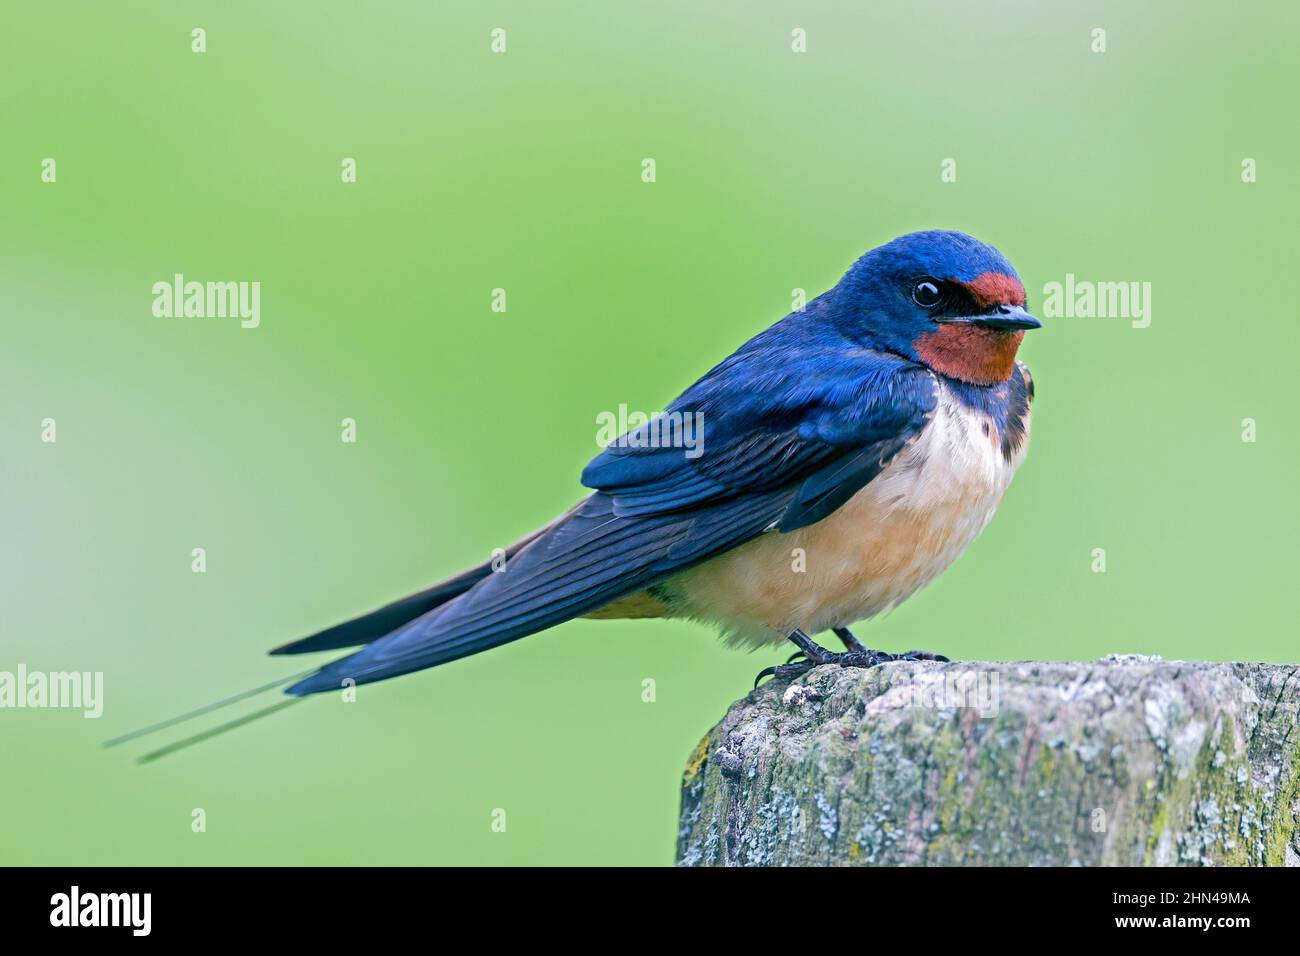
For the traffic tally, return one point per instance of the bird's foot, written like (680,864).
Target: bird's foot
(814,655)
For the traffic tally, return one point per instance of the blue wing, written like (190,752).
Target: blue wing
(792,427)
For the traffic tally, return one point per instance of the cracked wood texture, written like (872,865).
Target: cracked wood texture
(1123,761)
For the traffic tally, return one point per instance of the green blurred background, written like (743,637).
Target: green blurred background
(523,171)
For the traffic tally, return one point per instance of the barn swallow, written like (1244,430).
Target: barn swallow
(849,454)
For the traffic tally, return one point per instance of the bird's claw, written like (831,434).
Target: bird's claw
(786,670)
(863,658)
(921,656)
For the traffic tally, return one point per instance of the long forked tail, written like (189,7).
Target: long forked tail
(361,630)
(216,731)
(204,710)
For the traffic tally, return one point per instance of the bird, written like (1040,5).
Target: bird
(845,457)
(848,455)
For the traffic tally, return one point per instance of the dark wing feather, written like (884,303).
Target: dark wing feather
(375,624)
(839,481)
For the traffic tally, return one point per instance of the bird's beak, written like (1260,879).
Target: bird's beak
(1009,318)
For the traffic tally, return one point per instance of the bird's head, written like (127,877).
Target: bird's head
(940,298)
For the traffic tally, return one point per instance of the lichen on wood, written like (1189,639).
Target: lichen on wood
(1122,761)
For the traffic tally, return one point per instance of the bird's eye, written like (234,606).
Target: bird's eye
(926,293)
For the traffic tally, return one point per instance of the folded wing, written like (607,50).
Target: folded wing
(788,435)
